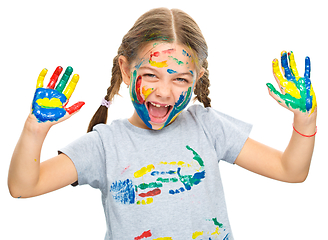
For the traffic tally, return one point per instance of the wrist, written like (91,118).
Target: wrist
(34,127)
(305,124)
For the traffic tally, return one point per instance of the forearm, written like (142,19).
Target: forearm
(296,159)
(24,168)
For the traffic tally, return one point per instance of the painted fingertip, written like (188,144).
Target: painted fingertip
(283,53)
(75,78)
(76,107)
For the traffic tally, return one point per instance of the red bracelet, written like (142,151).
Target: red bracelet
(306,135)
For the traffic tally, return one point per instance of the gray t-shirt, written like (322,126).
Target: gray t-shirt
(162,184)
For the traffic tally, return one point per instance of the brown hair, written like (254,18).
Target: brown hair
(160,24)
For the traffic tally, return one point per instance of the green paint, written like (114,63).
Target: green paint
(196,156)
(176,60)
(166,180)
(291,101)
(63,81)
(220,225)
(144,186)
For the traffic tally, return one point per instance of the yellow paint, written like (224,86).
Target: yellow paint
(71,86)
(288,86)
(158,64)
(34,159)
(197,234)
(180,163)
(314,99)
(49,103)
(148,201)
(163,238)
(144,171)
(292,64)
(39,83)
(216,231)
(147,92)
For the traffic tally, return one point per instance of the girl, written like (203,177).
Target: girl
(158,171)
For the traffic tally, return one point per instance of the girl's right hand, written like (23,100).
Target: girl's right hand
(49,104)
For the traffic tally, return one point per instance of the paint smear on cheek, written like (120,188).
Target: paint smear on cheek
(146,91)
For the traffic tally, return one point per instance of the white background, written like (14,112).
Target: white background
(243,38)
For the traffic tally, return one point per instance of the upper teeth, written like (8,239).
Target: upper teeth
(157,105)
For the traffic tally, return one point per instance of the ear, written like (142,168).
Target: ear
(201,73)
(125,69)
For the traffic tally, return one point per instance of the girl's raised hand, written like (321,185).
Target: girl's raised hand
(49,104)
(297,93)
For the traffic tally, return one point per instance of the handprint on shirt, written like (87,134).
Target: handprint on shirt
(49,104)
(128,192)
(296,92)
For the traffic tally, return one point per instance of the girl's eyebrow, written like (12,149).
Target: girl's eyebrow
(191,73)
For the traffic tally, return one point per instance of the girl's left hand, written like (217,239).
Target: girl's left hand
(297,93)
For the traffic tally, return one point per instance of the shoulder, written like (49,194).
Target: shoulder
(213,119)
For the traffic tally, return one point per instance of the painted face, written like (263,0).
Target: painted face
(161,83)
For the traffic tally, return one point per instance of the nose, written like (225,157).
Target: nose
(163,90)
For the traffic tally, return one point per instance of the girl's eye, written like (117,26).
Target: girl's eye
(182,80)
(149,75)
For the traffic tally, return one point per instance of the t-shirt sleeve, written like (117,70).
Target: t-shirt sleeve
(227,134)
(88,155)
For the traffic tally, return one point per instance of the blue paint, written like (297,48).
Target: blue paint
(189,181)
(180,190)
(48,114)
(140,108)
(307,67)
(284,63)
(226,237)
(192,73)
(123,191)
(156,173)
(184,53)
(171,71)
(182,102)
(308,99)
(139,65)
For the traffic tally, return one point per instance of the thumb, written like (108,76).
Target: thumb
(74,108)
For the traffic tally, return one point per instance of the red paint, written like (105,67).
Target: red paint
(75,107)
(138,91)
(168,51)
(154,192)
(54,77)
(125,169)
(155,54)
(145,234)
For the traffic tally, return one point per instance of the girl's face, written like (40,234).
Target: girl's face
(161,83)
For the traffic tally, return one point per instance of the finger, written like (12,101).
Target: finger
(307,67)
(74,108)
(71,86)
(39,82)
(277,75)
(54,77)
(285,67)
(292,64)
(63,81)
(274,93)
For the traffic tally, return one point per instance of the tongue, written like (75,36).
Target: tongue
(157,112)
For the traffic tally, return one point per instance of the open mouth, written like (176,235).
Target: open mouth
(158,112)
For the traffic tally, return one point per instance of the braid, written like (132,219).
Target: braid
(101,115)
(201,90)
